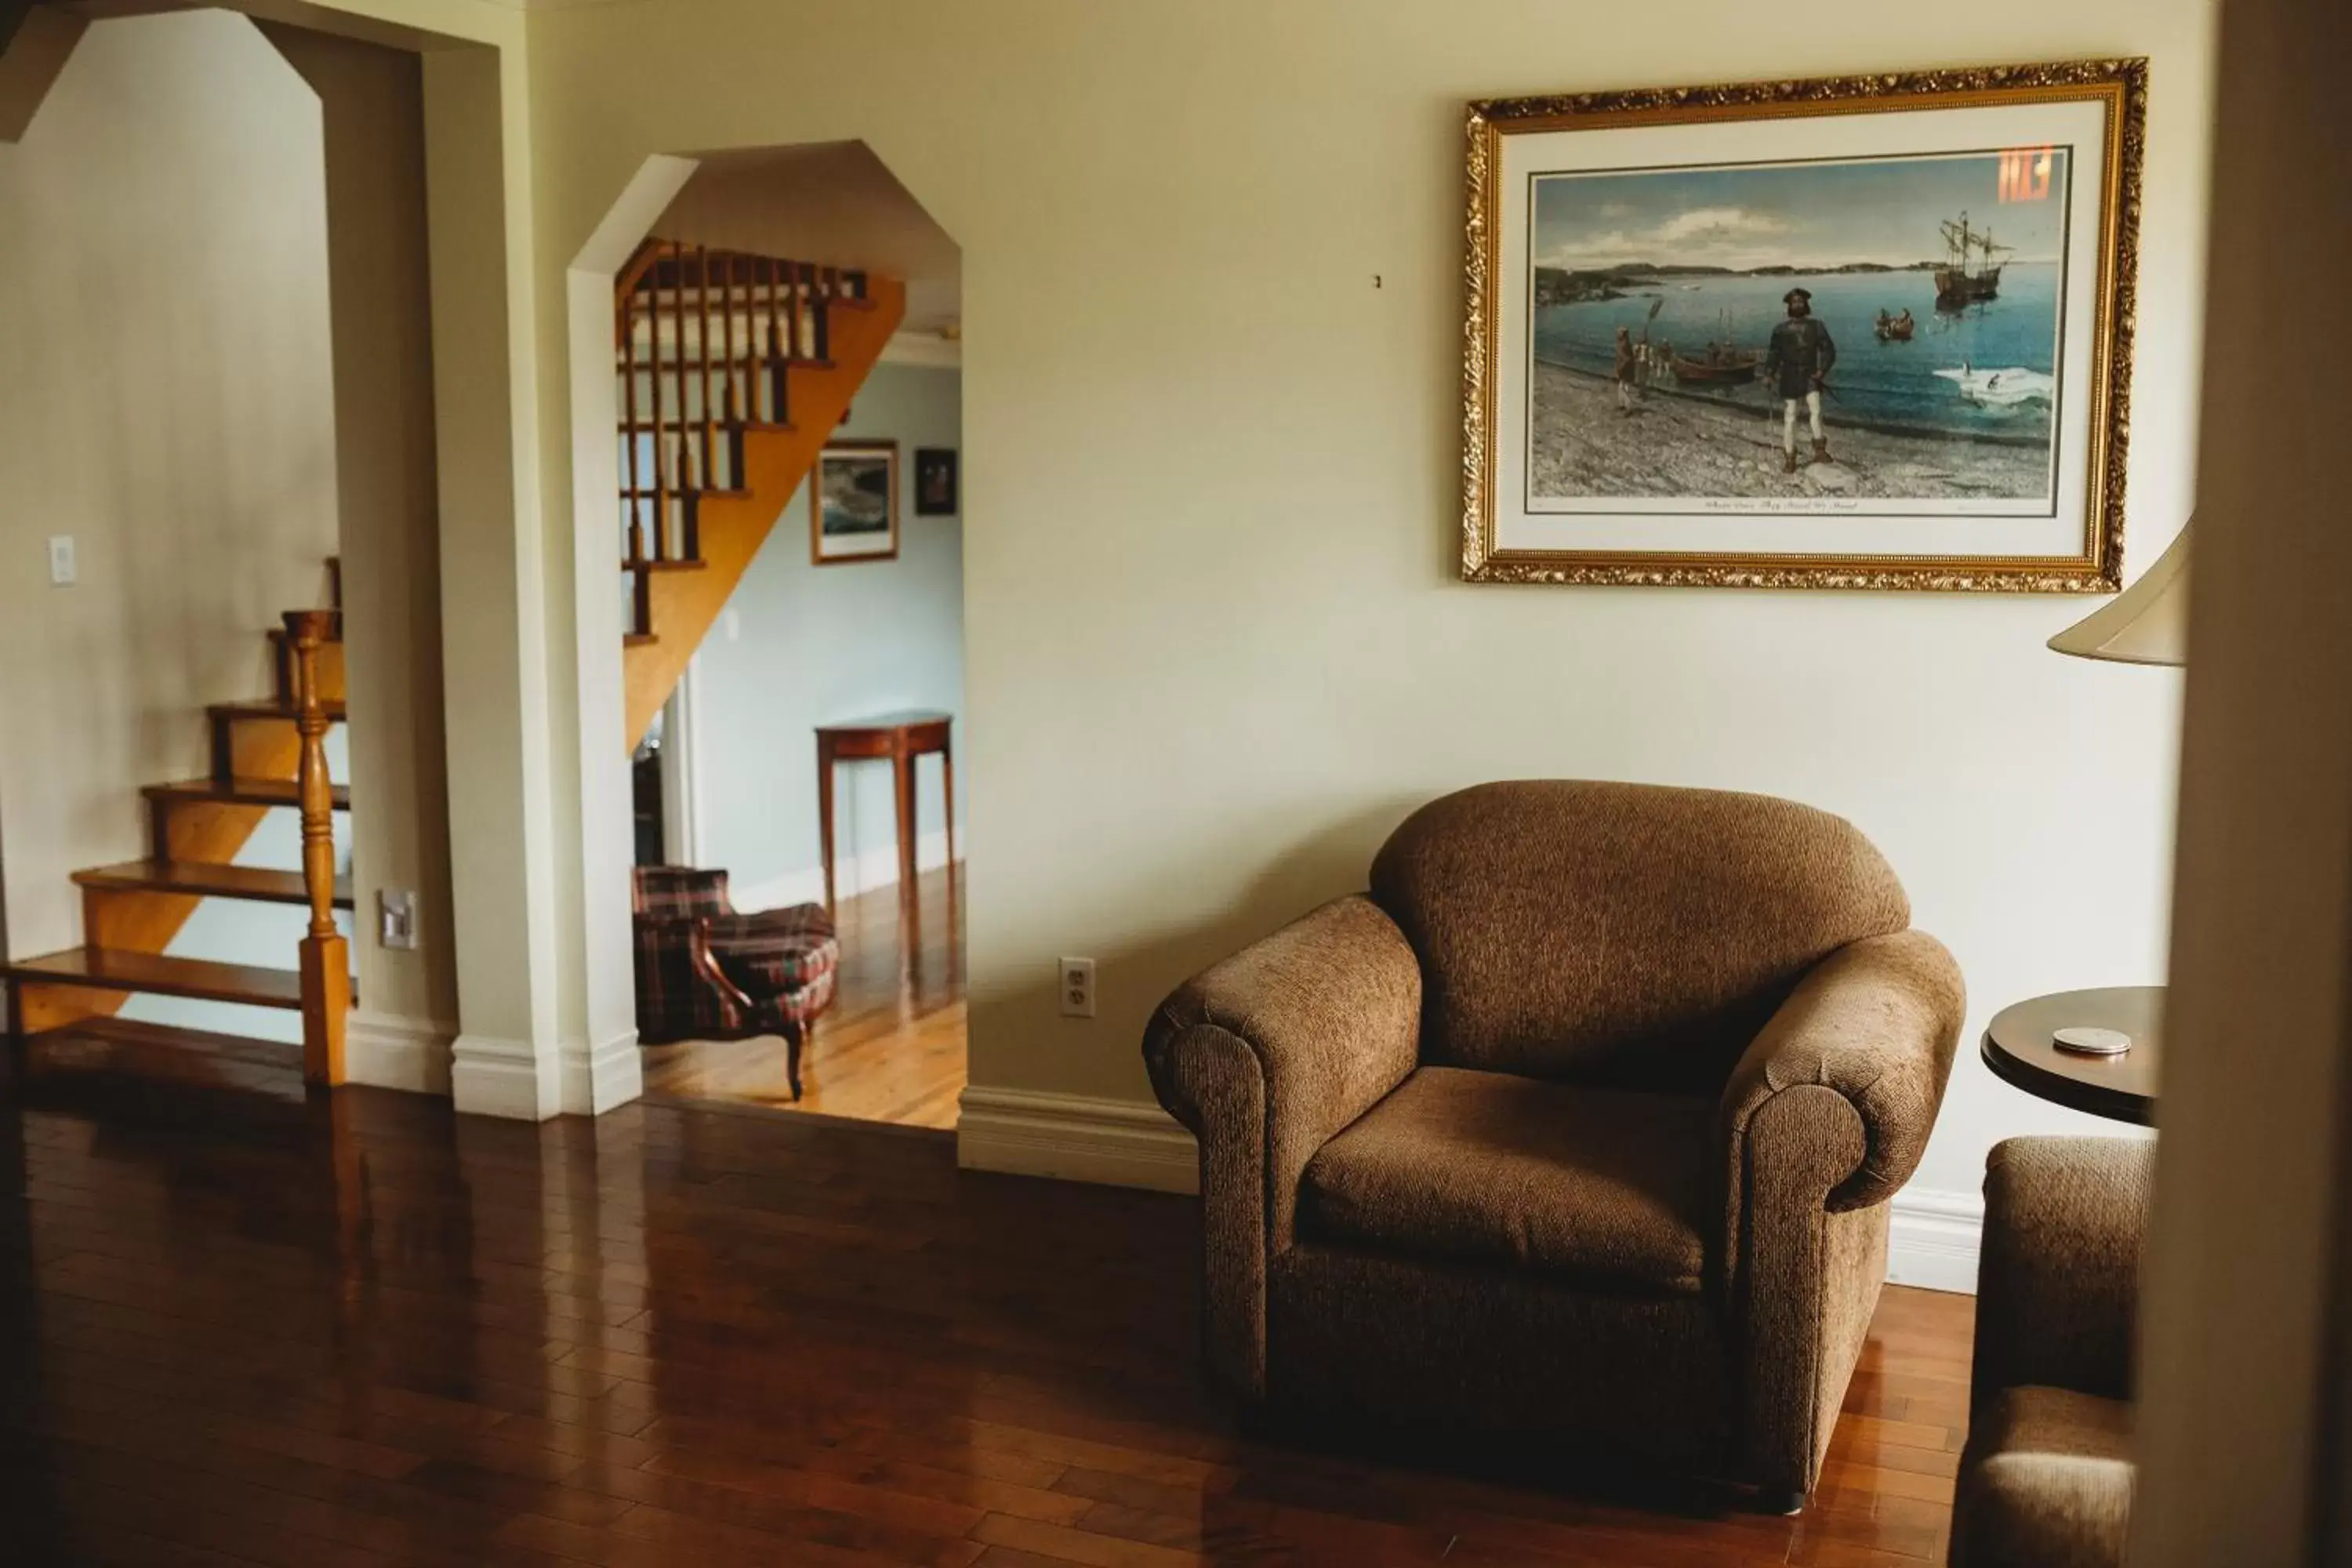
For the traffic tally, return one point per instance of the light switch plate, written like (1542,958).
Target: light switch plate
(64,571)
(396,918)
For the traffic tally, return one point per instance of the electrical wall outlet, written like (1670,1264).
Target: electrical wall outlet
(396,918)
(1078,988)
(63,570)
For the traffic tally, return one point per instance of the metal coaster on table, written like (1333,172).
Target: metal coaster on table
(2086,1041)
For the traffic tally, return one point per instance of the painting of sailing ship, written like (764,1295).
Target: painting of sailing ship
(1940,278)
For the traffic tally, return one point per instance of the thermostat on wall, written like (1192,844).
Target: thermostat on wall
(2083,1041)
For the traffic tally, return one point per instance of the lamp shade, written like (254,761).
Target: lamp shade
(2148,623)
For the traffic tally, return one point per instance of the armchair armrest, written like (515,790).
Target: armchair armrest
(1824,1117)
(1264,1056)
(1875,1023)
(2058,1277)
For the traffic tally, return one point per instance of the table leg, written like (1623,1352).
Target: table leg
(902,775)
(946,792)
(824,817)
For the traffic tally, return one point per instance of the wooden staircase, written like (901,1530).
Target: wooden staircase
(268,755)
(734,371)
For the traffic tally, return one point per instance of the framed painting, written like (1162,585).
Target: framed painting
(856,514)
(1853,332)
(935,481)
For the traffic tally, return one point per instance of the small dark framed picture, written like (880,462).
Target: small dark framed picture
(935,481)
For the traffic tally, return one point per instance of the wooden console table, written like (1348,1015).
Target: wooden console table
(901,738)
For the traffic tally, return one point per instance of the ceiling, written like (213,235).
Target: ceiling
(833,203)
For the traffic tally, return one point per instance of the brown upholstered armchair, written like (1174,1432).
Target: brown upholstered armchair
(1580,1127)
(2047,1475)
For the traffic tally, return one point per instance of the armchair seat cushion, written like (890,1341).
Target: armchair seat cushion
(2048,1480)
(775,950)
(1610,1185)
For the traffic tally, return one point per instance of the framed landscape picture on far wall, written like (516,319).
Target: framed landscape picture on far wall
(853,510)
(1867,332)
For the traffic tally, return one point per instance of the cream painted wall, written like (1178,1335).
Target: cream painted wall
(1216,646)
(166,402)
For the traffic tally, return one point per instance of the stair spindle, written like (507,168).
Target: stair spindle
(821,305)
(736,371)
(326,966)
(792,274)
(678,383)
(702,348)
(777,406)
(632,509)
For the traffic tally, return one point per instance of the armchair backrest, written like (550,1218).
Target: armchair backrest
(1626,934)
(672,892)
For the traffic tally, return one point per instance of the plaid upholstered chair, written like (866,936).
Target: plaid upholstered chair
(1577,1131)
(706,973)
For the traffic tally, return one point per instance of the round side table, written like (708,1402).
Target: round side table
(2018,1047)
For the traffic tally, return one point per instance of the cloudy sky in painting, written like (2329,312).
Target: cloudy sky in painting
(1798,215)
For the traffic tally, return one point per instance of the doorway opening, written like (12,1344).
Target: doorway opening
(237,424)
(788,391)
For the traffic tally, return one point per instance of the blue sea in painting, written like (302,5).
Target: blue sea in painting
(1957,376)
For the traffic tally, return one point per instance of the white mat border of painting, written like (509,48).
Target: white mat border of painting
(2081,124)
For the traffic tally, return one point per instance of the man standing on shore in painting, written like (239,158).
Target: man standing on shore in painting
(1623,371)
(1798,361)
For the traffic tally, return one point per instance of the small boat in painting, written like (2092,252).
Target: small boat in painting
(1720,368)
(1971,276)
(1895,328)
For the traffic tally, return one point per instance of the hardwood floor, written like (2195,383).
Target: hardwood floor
(240,1326)
(891,1046)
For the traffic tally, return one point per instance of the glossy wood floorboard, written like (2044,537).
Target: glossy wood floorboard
(241,1327)
(891,1046)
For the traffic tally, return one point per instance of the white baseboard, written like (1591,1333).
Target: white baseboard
(1131,1143)
(597,1079)
(854,874)
(1934,1241)
(388,1052)
(493,1077)
(1074,1138)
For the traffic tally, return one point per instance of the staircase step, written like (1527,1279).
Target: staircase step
(238,792)
(629,565)
(271,707)
(257,884)
(639,639)
(154,975)
(723,492)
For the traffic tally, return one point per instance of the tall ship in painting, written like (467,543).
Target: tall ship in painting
(1970,276)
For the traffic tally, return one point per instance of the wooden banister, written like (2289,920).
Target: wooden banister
(326,965)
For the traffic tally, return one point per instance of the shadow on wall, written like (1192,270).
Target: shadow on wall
(1327,863)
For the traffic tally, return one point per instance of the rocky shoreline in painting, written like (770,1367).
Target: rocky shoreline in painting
(1684,446)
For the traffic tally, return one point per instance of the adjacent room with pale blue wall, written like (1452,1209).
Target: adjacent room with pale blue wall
(801,645)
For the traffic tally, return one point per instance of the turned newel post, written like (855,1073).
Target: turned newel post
(326,957)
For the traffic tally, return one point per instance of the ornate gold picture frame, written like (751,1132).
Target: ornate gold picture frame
(1848,332)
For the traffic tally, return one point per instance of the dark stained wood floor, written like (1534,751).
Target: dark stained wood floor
(240,1327)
